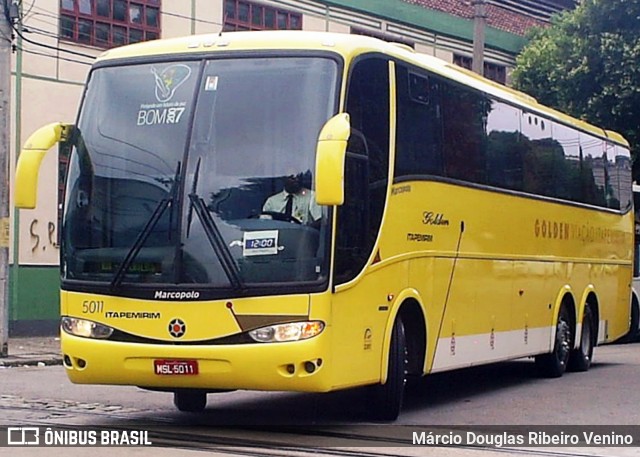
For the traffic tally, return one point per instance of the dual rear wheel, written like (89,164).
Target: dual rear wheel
(563,356)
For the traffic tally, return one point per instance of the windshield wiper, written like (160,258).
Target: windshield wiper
(216,240)
(194,186)
(212,232)
(159,210)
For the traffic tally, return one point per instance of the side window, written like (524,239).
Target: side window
(617,177)
(366,167)
(538,161)
(594,164)
(464,114)
(419,129)
(505,148)
(622,169)
(566,163)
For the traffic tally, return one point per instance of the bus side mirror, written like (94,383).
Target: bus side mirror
(330,155)
(28,166)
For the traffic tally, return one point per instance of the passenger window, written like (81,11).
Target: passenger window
(538,162)
(463,115)
(505,148)
(566,163)
(419,127)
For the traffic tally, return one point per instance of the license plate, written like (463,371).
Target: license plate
(176,367)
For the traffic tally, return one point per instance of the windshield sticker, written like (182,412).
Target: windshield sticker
(156,114)
(211,83)
(169,79)
(264,242)
(165,111)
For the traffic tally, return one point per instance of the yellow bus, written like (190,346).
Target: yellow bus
(436,220)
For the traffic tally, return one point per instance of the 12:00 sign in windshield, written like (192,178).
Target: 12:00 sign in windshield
(173,165)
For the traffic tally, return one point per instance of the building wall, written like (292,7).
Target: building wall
(47,86)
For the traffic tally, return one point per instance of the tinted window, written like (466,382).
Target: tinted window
(566,171)
(623,170)
(463,113)
(366,166)
(448,130)
(419,128)
(594,163)
(505,148)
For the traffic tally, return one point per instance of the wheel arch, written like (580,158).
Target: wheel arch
(565,297)
(589,297)
(634,318)
(409,306)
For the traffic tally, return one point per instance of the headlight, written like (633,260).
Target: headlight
(85,328)
(294,331)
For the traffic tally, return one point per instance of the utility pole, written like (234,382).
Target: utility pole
(5,103)
(479,22)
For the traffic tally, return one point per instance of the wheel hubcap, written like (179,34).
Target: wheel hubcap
(563,340)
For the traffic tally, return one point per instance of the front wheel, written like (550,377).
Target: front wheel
(554,364)
(386,399)
(190,401)
(581,357)
(634,324)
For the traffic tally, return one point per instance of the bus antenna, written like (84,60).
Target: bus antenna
(224,21)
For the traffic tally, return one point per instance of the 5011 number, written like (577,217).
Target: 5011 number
(92,306)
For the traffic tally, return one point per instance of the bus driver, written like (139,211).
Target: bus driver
(296,203)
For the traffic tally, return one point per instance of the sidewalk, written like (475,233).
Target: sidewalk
(30,351)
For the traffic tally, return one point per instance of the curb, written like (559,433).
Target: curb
(40,361)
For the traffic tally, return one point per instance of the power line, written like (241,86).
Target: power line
(53,56)
(181,16)
(55,48)
(19,19)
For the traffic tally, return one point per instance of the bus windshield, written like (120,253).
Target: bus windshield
(181,172)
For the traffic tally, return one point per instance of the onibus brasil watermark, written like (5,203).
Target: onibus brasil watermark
(47,436)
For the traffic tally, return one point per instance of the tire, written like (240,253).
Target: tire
(386,399)
(581,357)
(634,324)
(554,364)
(634,330)
(190,401)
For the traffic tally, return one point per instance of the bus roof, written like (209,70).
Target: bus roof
(347,46)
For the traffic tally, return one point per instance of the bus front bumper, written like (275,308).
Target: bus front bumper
(295,366)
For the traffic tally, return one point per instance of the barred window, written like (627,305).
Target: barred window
(109,23)
(494,72)
(246,15)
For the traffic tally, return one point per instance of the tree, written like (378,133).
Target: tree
(586,63)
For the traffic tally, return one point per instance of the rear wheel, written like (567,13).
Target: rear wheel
(554,364)
(190,401)
(386,399)
(582,356)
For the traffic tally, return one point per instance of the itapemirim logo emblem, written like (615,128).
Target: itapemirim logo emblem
(169,79)
(177,327)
